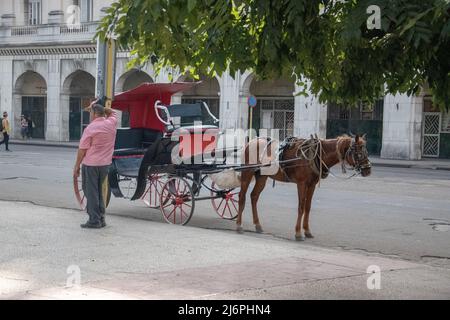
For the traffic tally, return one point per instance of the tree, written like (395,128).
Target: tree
(327,42)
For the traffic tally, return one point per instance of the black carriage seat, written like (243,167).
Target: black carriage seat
(131,141)
(150,136)
(130,147)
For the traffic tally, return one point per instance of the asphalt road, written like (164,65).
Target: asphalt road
(397,212)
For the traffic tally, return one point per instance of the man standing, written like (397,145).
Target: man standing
(95,153)
(6,129)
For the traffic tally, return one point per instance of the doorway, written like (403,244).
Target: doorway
(36,109)
(78,118)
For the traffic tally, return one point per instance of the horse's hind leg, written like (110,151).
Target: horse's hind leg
(257,189)
(246,178)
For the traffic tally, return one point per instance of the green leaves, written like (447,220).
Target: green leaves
(325,41)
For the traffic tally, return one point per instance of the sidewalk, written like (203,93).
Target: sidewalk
(425,163)
(45,252)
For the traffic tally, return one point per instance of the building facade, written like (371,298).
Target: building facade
(48,67)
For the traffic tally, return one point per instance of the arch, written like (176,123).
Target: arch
(208,91)
(79,82)
(272,88)
(30,83)
(30,99)
(247,81)
(131,79)
(275,103)
(77,91)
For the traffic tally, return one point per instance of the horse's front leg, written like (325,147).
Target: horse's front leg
(309,195)
(301,192)
(246,178)
(254,196)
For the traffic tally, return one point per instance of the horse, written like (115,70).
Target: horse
(306,173)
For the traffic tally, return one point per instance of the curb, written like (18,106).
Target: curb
(58,145)
(392,165)
(410,166)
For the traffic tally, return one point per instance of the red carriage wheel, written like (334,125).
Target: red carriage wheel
(79,194)
(177,201)
(152,193)
(227,205)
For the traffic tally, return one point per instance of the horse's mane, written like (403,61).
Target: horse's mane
(343,136)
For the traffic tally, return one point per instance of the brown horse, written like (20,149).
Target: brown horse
(349,151)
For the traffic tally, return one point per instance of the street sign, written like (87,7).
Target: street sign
(252,101)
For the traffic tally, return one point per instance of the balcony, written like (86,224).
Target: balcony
(49,34)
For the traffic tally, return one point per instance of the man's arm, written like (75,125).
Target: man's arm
(111,114)
(80,156)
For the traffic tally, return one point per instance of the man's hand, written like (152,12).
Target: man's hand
(108,111)
(76,172)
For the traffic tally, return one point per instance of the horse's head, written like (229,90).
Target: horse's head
(358,157)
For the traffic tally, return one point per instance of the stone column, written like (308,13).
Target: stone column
(57,124)
(310,117)
(402,127)
(6,88)
(64,117)
(230,108)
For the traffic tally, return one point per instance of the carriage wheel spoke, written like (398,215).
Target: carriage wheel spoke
(168,216)
(187,205)
(220,204)
(232,201)
(229,210)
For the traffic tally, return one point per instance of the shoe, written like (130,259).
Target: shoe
(90,225)
(103,223)
(8,150)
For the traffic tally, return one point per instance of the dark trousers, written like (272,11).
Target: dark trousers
(95,180)
(5,140)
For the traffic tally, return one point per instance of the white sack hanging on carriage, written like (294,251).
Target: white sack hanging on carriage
(226,179)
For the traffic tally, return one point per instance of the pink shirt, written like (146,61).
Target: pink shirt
(98,138)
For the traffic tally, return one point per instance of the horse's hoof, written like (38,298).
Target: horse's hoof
(300,238)
(259,229)
(239,230)
(309,235)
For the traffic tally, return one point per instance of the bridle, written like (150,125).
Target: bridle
(359,156)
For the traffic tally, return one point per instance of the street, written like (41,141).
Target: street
(396,212)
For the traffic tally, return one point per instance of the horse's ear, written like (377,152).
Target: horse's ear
(364,136)
(352,135)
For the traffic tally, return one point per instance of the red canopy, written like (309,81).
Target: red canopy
(140,101)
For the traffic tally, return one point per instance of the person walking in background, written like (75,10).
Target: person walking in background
(6,130)
(23,127)
(95,154)
(30,128)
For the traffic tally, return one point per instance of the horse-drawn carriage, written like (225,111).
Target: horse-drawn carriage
(166,155)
